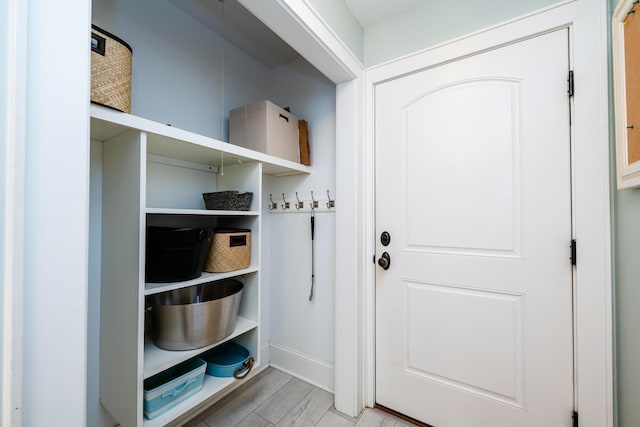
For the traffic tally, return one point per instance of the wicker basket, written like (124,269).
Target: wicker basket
(228,200)
(110,70)
(230,250)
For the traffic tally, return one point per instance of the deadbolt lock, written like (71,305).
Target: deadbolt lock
(385,238)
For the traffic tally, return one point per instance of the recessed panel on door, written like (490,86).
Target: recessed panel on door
(474,342)
(462,174)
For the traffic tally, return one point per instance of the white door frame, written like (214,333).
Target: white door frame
(303,28)
(55,213)
(593,326)
(13,16)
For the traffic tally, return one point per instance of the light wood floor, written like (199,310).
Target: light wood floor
(274,398)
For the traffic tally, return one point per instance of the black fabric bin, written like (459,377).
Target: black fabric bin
(175,254)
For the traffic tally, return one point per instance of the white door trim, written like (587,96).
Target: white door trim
(56,213)
(302,27)
(586,19)
(12,202)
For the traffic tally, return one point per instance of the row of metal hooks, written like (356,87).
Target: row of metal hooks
(300,204)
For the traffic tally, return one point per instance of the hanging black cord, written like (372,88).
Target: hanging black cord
(313,257)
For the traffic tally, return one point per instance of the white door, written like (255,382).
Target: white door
(474,315)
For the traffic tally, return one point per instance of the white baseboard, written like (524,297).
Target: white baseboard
(308,368)
(265,355)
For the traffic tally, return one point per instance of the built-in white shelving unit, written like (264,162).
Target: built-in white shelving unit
(154,174)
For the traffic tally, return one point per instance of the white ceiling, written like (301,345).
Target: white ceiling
(370,12)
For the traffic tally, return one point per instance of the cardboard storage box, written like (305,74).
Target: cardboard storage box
(267,128)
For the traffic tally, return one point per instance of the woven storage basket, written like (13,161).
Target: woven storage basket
(228,200)
(110,70)
(230,250)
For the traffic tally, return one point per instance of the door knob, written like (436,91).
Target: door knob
(384,261)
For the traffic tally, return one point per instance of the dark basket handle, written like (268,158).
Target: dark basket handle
(205,235)
(248,365)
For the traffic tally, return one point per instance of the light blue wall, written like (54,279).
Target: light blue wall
(627,313)
(312,332)
(626,234)
(434,22)
(429,24)
(339,17)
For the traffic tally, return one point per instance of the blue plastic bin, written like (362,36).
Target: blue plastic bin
(227,359)
(168,388)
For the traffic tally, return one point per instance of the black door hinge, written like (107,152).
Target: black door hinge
(574,252)
(575,419)
(571,87)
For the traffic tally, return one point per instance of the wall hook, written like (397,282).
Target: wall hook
(286,204)
(330,203)
(299,203)
(314,202)
(272,205)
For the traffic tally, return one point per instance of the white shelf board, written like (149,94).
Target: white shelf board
(107,123)
(210,387)
(172,142)
(201,150)
(271,165)
(171,211)
(157,360)
(155,288)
